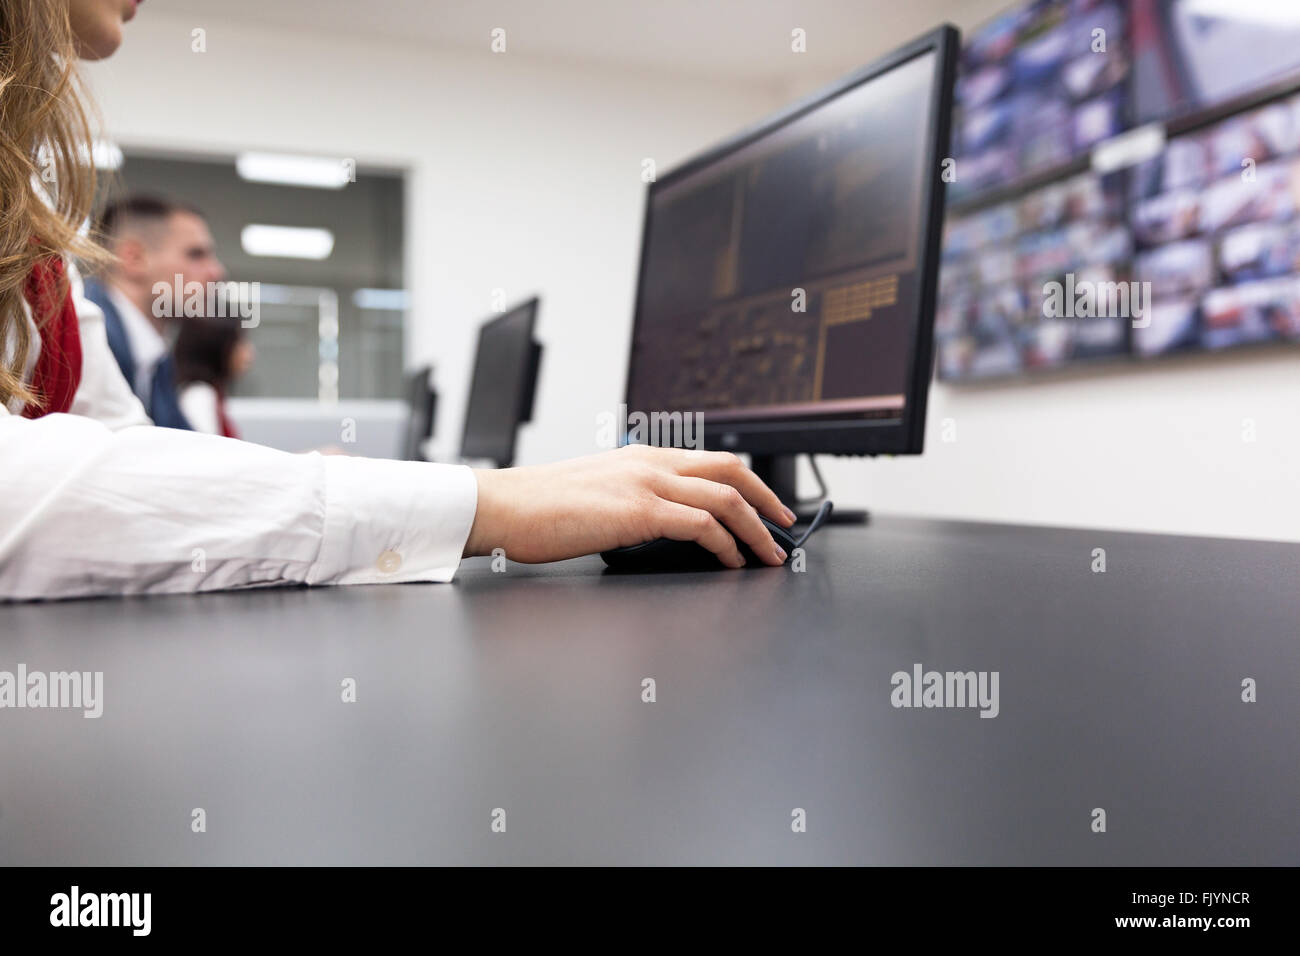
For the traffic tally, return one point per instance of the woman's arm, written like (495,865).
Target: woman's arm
(87,510)
(91,511)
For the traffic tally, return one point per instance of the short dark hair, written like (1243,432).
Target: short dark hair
(139,209)
(203,349)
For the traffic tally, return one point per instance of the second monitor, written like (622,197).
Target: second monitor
(503,385)
(788,276)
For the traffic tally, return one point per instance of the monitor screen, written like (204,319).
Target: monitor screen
(500,392)
(784,276)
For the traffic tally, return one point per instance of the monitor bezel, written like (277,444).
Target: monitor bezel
(828,435)
(528,377)
(422,412)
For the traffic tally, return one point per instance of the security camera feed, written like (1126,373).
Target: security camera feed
(1190,54)
(1217,234)
(1044,82)
(1206,237)
(1038,86)
(994,318)
(783,279)
(1198,247)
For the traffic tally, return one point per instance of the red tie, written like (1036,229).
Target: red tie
(228,428)
(58,367)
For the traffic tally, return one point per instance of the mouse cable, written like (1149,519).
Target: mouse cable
(818,520)
(821,484)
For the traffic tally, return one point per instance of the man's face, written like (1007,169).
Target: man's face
(182,247)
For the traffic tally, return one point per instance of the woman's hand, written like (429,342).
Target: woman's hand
(624,497)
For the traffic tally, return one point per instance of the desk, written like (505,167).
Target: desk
(523,691)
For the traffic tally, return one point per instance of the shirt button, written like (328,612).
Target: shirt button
(389,562)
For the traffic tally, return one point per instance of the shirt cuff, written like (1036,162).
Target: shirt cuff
(393,521)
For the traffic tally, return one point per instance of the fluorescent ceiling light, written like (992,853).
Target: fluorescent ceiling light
(291,242)
(393,300)
(318,172)
(1270,12)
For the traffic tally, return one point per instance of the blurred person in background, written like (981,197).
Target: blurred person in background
(210,354)
(152,241)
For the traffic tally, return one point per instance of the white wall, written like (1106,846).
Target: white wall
(525,175)
(1163,448)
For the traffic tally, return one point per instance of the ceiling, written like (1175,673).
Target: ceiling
(735,39)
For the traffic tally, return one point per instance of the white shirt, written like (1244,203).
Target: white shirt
(199,404)
(147,345)
(99,501)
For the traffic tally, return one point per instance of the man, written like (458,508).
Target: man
(153,240)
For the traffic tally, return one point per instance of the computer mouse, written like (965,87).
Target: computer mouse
(665,554)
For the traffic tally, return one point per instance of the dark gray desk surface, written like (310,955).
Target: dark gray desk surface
(523,691)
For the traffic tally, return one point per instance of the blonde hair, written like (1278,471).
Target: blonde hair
(47,175)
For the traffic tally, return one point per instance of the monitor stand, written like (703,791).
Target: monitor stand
(778,472)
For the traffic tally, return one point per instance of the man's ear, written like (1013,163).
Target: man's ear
(132,257)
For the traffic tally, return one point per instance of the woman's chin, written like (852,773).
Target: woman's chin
(99,47)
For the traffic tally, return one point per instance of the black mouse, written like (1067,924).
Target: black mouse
(665,554)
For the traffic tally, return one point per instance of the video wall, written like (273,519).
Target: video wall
(1211,223)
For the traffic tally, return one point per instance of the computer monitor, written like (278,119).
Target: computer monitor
(788,276)
(422,404)
(505,380)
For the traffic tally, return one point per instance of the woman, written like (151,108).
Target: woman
(98,501)
(209,355)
